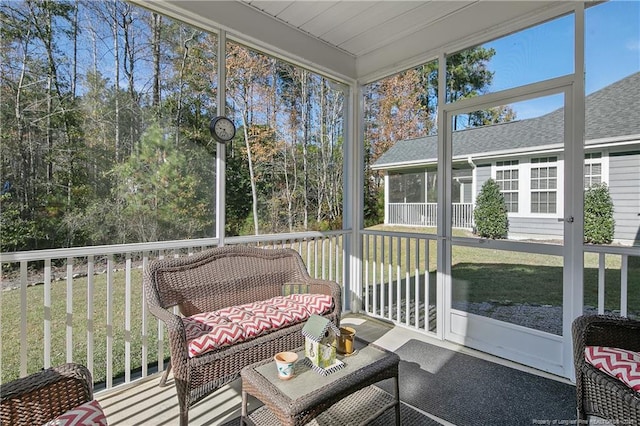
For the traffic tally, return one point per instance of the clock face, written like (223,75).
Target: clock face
(222,129)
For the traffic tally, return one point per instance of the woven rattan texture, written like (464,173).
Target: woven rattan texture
(41,397)
(308,406)
(598,393)
(352,410)
(215,279)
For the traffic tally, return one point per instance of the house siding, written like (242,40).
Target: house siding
(524,226)
(483,173)
(624,187)
(547,227)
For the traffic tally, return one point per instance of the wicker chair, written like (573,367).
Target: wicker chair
(41,397)
(598,393)
(219,278)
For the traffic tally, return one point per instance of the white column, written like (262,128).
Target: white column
(220,147)
(443,281)
(353,199)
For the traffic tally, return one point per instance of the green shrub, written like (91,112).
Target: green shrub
(599,224)
(490,213)
(16,231)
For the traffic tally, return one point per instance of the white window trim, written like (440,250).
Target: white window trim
(604,163)
(494,175)
(524,181)
(559,165)
(524,185)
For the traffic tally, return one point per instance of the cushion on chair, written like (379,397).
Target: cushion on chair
(88,414)
(619,363)
(212,330)
(313,304)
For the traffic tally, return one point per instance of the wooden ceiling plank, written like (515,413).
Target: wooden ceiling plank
(301,12)
(370,18)
(402,26)
(338,15)
(273,8)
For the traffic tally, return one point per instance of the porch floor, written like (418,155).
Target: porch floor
(145,403)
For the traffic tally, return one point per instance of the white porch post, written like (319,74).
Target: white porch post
(220,147)
(353,204)
(386,198)
(443,281)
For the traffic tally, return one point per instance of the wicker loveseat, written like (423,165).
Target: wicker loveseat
(213,281)
(59,394)
(598,393)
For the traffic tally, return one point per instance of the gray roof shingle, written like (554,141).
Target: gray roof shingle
(612,111)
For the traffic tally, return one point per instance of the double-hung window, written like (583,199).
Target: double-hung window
(592,169)
(507,180)
(544,185)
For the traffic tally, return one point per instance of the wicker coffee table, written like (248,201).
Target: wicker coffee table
(301,399)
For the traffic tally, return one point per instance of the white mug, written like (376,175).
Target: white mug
(285,362)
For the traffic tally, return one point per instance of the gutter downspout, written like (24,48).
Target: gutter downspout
(474,191)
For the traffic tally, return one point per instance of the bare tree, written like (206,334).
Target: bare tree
(246,69)
(306,124)
(116,77)
(156,27)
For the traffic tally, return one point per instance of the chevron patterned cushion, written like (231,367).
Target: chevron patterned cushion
(88,414)
(313,303)
(212,330)
(619,363)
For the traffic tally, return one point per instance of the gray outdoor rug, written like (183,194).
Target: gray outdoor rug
(466,390)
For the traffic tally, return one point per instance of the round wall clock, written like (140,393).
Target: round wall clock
(222,129)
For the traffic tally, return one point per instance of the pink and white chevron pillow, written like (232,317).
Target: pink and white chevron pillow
(88,414)
(209,331)
(619,363)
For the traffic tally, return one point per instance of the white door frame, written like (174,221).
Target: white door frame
(542,350)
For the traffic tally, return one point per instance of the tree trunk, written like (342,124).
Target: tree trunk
(129,72)
(116,70)
(254,192)
(156,27)
(181,73)
(322,173)
(25,177)
(74,74)
(305,140)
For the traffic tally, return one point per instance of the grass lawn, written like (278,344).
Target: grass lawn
(481,274)
(10,332)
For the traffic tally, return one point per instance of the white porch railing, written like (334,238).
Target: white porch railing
(425,214)
(399,283)
(90,306)
(398,278)
(608,255)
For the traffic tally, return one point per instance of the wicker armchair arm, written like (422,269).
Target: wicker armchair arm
(175,328)
(42,396)
(331,288)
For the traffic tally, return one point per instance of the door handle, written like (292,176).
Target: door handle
(568,220)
